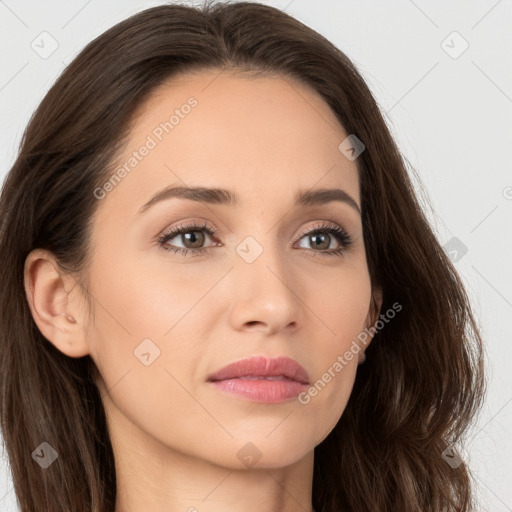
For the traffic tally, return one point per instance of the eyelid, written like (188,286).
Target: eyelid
(205,224)
(195,223)
(319,224)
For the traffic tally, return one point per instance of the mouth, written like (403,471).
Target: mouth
(263,377)
(262,368)
(260,379)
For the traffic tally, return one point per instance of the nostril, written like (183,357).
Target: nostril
(255,325)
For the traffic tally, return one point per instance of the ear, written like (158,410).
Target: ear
(371,319)
(48,289)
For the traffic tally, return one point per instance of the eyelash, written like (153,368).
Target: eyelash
(342,236)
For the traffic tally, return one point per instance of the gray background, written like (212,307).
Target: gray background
(449,109)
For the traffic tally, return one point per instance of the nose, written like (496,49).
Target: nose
(264,291)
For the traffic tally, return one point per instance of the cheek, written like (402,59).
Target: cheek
(148,298)
(340,312)
(147,354)
(144,324)
(340,306)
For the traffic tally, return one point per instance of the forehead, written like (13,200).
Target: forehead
(264,137)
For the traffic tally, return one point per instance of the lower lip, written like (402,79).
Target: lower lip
(264,391)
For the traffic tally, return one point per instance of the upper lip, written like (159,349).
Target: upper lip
(262,366)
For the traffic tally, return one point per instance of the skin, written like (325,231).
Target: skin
(175,437)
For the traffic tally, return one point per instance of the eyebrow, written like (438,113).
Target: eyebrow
(226,197)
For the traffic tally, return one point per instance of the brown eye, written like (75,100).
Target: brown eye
(193,239)
(320,241)
(321,237)
(192,236)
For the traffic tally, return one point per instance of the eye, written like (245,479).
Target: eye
(192,236)
(318,239)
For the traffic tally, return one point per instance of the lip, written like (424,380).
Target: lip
(281,379)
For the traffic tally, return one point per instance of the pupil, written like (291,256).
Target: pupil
(324,238)
(192,237)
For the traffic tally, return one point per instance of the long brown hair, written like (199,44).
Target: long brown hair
(422,382)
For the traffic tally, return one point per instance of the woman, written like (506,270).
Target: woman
(219,290)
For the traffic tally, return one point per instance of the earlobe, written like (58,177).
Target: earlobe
(53,309)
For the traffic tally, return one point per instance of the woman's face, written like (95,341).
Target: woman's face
(260,285)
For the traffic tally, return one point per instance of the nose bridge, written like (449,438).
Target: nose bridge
(263,281)
(260,254)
